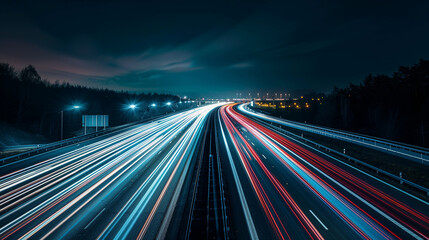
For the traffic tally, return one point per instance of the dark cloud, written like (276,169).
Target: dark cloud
(213,49)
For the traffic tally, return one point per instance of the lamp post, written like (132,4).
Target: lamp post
(75,107)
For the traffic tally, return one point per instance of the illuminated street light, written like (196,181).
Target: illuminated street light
(132,106)
(153,105)
(168,103)
(76,106)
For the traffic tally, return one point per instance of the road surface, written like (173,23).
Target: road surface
(260,185)
(294,191)
(117,187)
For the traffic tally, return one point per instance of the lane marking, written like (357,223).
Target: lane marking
(323,225)
(392,220)
(89,224)
(252,144)
(264,156)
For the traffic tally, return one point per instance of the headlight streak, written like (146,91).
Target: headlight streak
(342,207)
(186,157)
(248,217)
(60,187)
(402,213)
(93,157)
(264,199)
(302,175)
(141,205)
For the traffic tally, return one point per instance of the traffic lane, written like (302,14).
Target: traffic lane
(51,176)
(327,223)
(96,216)
(238,216)
(239,228)
(361,221)
(386,220)
(273,223)
(76,194)
(271,202)
(177,165)
(406,210)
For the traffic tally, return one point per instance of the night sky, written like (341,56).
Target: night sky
(214,49)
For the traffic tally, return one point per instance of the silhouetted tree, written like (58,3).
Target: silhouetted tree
(394,107)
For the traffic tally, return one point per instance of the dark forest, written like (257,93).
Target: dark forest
(32,104)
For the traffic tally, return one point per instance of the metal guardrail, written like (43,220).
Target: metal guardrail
(54,145)
(415,153)
(357,161)
(19,147)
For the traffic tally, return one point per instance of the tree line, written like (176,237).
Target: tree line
(33,104)
(395,107)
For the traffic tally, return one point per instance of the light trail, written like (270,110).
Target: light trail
(60,196)
(291,156)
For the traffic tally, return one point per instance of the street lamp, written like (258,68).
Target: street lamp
(153,105)
(168,103)
(132,106)
(75,107)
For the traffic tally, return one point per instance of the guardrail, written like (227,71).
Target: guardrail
(357,161)
(19,147)
(54,145)
(415,153)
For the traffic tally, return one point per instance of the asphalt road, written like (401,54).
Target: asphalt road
(294,191)
(129,186)
(122,186)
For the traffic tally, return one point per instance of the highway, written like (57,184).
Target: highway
(293,191)
(115,187)
(212,172)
